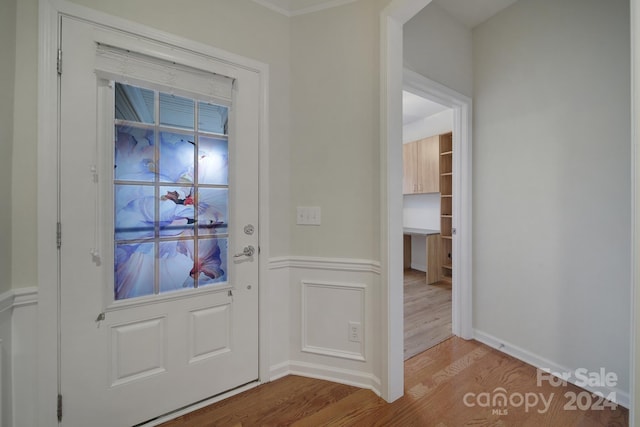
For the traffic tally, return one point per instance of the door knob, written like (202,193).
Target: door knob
(248,251)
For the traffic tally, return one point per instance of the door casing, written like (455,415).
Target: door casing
(48,359)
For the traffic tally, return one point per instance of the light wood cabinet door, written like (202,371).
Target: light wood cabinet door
(421,166)
(410,168)
(429,165)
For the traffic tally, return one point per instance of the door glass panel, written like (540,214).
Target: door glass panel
(135,154)
(177,111)
(135,214)
(212,118)
(212,261)
(175,265)
(176,157)
(171,212)
(176,213)
(134,104)
(213,162)
(134,270)
(213,211)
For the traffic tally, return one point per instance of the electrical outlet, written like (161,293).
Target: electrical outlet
(355,332)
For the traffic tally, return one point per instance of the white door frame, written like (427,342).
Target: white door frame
(48,359)
(392,19)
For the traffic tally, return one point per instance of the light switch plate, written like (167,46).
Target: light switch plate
(308,215)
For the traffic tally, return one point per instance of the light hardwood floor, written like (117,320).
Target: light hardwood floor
(427,313)
(436,383)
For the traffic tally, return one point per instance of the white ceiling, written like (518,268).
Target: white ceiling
(468,12)
(473,12)
(415,108)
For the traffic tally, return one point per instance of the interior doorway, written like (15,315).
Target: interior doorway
(427,222)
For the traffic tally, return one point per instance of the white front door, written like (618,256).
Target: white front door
(158,209)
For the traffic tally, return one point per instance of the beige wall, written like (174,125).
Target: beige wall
(7,74)
(24,175)
(335,130)
(551,181)
(438,47)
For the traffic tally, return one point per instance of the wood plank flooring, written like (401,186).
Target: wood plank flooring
(436,383)
(427,313)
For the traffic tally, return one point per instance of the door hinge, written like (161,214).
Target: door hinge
(59,59)
(59,235)
(59,408)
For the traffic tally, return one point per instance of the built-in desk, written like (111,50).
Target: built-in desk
(432,238)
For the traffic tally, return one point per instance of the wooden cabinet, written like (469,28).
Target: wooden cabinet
(446,204)
(421,166)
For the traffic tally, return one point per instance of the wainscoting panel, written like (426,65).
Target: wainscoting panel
(327,297)
(329,311)
(24,344)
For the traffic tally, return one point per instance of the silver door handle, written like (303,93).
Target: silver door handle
(248,251)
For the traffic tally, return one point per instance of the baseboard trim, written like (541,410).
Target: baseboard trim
(18,298)
(333,264)
(278,371)
(419,267)
(542,363)
(327,373)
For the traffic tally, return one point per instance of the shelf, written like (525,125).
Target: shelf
(446,153)
(447,266)
(446,216)
(447,237)
(446,195)
(447,174)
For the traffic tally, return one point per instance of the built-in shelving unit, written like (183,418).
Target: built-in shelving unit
(446,205)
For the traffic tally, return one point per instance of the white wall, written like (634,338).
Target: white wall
(440,48)
(551,182)
(7,73)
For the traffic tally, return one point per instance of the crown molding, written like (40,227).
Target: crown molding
(290,12)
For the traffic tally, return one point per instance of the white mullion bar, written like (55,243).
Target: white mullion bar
(156,193)
(196,195)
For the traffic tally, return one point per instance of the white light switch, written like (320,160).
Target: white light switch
(306,215)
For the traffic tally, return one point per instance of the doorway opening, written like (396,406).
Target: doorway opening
(427,222)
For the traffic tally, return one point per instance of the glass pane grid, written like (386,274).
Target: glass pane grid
(171,195)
